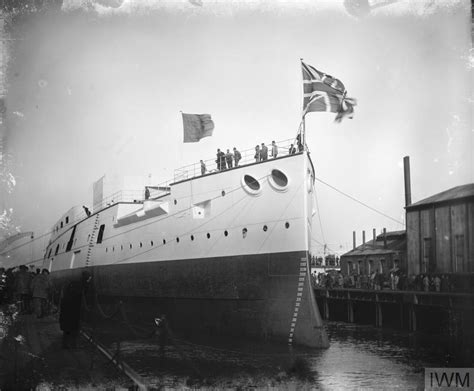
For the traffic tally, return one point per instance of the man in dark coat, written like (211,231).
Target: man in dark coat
(237,157)
(70,309)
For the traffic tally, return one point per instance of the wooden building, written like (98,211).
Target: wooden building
(381,253)
(440,232)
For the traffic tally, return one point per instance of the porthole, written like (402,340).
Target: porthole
(278,180)
(287,225)
(106,249)
(265,228)
(250,184)
(131,246)
(208,235)
(177,240)
(151,243)
(192,237)
(226,233)
(113,248)
(164,241)
(121,247)
(244,232)
(141,244)
(175,202)
(223,193)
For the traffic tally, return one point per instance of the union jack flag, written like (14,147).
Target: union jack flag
(322,92)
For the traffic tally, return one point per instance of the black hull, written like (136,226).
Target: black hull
(264,296)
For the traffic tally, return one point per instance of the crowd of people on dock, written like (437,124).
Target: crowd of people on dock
(31,291)
(30,288)
(394,280)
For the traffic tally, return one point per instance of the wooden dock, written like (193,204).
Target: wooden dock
(410,310)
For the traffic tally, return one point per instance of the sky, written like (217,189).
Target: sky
(96,87)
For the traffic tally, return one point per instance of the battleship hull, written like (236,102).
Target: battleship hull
(261,296)
(224,253)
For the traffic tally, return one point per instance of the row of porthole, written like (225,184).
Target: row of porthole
(277,179)
(208,235)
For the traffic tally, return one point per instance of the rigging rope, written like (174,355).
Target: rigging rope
(359,202)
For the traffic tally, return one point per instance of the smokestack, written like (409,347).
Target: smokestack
(385,238)
(363,238)
(406,172)
(374,235)
(353,240)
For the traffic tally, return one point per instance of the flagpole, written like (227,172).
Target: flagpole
(303,133)
(303,129)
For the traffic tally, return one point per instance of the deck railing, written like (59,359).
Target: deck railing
(248,157)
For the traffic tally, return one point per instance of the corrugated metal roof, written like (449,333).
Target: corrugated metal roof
(396,242)
(456,193)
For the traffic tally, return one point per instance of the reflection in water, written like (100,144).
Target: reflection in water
(358,357)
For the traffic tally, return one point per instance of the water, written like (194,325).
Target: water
(359,357)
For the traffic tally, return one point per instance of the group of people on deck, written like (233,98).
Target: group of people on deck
(231,159)
(261,153)
(227,160)
(224,160)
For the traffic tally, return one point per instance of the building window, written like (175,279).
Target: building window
(382,265)
(458,253)
(426,256)
(349,267)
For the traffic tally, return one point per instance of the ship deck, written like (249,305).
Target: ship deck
(186,173)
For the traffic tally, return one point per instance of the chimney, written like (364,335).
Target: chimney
(406,172)
(385,238)
(363,238)
(374,235)
(353,240)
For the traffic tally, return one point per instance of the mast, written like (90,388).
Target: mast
(303,126)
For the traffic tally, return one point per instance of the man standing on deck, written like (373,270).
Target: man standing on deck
(229,157)
(274,150)
(263,152)
(257,154)
(218,160)
(237,157)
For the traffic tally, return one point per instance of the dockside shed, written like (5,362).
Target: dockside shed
(382,253)
(440,232)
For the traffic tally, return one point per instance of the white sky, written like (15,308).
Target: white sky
(98,90)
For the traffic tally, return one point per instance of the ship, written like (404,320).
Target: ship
(221,252)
